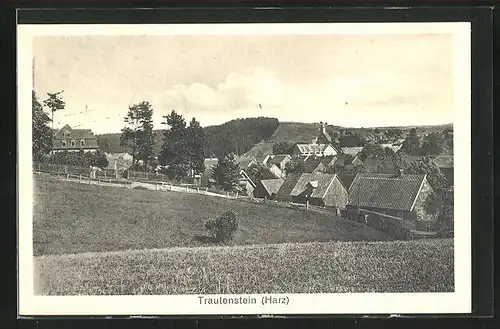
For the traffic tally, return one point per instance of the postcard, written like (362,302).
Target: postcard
(198,169)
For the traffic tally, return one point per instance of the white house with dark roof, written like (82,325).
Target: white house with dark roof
(319,146)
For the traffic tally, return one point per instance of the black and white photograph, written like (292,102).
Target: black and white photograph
(244,168)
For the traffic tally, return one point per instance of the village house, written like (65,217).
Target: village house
(263,159)
(357,161)
(329,161)
(268,188)
(319,146)
(245,163)
(74,140)
(280,160)
(247,183)
(320,189)
(313,164)
(404,196)
(119,161)
(286,188)
(206,178)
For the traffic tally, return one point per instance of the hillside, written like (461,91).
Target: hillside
(69,217)
(327,267)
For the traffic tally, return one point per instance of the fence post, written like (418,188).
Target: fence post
(198,190)
(186,189)
(104,173)
(65,169)
(128,174)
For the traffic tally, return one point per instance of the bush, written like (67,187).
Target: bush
(223,228)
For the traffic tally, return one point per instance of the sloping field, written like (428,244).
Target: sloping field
(70,217)
(329,267)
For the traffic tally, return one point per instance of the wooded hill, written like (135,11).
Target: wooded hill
(238,135)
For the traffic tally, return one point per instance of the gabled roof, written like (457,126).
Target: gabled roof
(287,186)
(385,191)
(352,150)
(323,181)
(247,178)
(329,160)
(245,162)
(262,159)
(311,164)
(272,186)
(444,161)
(278,159)
(75,133)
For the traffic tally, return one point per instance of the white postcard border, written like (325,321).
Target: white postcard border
(406,303)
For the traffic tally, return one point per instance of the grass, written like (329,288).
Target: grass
(328,267)
(70,217)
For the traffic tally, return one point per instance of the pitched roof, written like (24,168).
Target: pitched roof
(287,186)
(324,181)
(444,161)
(272,186)
(329,160)
(352,150)
(262,159)
(385,191)
(312,148)
(277,159)
(311,163)
(245,162)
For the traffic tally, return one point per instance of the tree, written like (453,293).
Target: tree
(175,151)
(41,132)
(55,103)
(283,148)
(412,142)
(442,187)
(227,173)
(196,146)
(138,136)
(258,172)
(434,143)
(296,167)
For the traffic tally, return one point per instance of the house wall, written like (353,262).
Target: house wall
(276,171)
(329,150)
(260,192)
(337,195)
(419,208)
(284,162)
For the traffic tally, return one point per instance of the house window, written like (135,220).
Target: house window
(82,142)
(64,143)
(66,133)
(73,143)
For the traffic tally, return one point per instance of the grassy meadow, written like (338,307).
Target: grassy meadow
(327,267)
(70,217)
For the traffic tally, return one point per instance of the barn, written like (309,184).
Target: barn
(325,190)
(406,196)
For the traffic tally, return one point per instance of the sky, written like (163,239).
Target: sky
(347,80)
